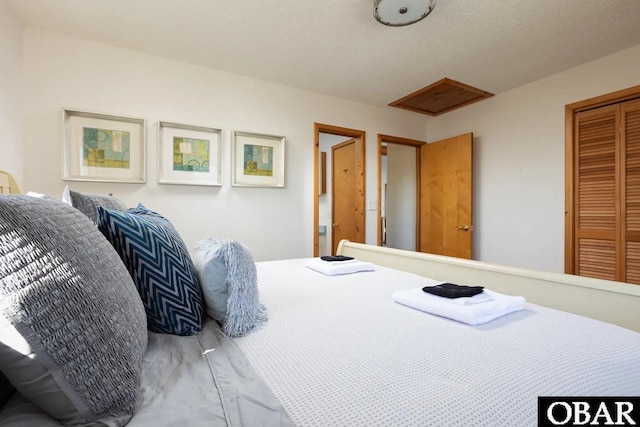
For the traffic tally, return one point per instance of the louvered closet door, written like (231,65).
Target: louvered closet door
(597,225)
(630,112)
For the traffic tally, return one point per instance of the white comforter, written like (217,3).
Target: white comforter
(338,351)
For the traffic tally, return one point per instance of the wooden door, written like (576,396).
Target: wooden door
(596,192)
(446,197)
(607,192)
(630,179)
(602,186)
(347,218)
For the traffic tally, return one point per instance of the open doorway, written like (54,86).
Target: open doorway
(399,192)
(443,194)
(339,200)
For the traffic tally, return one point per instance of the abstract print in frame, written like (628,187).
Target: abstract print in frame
(103,147)
(189,155)
(258,160)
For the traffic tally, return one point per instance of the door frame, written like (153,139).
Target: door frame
(570,111)
(360,137)
(390,139)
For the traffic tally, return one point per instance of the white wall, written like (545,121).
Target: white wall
(11,154)
(401,197)
(64,72)
(519,141)
(519,159)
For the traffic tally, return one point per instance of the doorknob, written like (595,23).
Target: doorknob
(335,225)
(464,227)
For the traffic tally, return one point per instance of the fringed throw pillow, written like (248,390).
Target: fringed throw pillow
(230,285)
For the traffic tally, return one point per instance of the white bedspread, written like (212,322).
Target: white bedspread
(337,351)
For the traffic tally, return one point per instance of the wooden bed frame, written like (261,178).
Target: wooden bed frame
(609,301)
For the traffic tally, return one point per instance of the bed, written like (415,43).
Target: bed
(337,350)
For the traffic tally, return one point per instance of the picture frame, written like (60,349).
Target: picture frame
(103,147)
(189,155)
(258,160)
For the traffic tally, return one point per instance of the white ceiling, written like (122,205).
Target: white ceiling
(336,47)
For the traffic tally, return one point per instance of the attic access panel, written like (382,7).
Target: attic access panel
(441,97)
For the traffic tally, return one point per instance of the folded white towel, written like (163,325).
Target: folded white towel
(347,261)
(482,297)
(333,268)
(492,305)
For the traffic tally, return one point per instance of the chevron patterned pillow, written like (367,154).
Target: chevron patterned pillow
(160,266)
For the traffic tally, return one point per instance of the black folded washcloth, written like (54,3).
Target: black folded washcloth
(451,290)
(336,258)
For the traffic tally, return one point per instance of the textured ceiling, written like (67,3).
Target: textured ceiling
(336,47)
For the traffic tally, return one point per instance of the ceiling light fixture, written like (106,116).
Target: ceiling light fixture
(398,13)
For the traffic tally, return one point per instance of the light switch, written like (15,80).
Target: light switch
(371,205)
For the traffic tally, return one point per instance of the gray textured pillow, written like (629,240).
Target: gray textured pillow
(72,327)
(229,283)
(88,203)
(6,390)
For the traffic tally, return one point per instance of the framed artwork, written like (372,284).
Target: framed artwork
(258,160)
(103,147)
(189,155)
